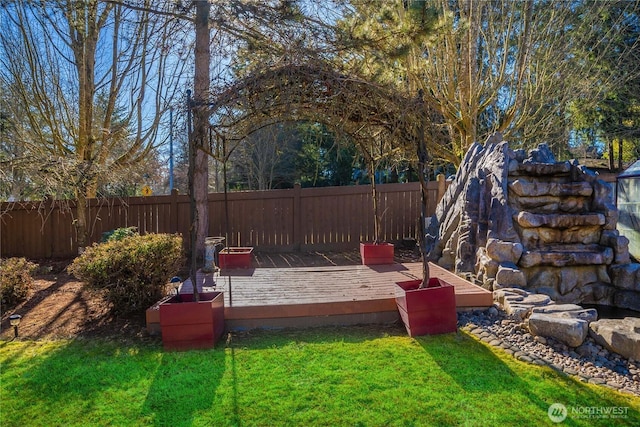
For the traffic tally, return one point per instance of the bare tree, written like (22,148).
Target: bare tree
(60,57)
(266,158)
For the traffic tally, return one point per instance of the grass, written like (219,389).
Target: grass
(325,377)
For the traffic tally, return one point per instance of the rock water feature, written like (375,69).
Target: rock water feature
(542,235)
(522,220)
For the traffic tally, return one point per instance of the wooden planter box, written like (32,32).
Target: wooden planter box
(376,254)
(238,257)
(427,311)
(190,325)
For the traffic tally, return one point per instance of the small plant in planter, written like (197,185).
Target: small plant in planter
(238,256)
(235,257)
(196,320)
(187,324)
(426,306)
(427,309)
(377,252)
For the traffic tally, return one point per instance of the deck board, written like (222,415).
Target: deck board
(257,295)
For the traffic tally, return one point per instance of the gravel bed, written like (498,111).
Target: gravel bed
(589,363)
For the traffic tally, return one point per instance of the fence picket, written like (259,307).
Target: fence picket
(277,220)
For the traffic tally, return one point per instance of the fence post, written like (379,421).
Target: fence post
(297,217)
(442,186)
(47,226)
(173,211)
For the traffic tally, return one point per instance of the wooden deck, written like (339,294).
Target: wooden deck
(312,296)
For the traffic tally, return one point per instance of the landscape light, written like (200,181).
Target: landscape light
(15,320)
(176,282)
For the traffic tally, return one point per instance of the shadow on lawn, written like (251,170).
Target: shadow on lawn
(81,373)
(96,378)
(483,373)
(184,384)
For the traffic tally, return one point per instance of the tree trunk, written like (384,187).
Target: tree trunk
(81,220)
(620,144)
(612,164)
(201,86)
(377,221)
(469,76)
(198,160)
(423,175)
(84,36)
(193,210)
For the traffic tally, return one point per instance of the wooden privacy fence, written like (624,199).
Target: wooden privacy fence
(328,218)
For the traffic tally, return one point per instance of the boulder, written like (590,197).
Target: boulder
(568,280)
(570,331)
(502,251)
(518,303)
(625,276)
(540,236)
(567,255)
(519,311)
(627,299)
(509,275)
(540,169)
(551,204)
(542,276)
(620,245)
(542,154)
(530,220)
(535,300)
(595,293)
(621,336)
(501,295)
(518,155)
(485,266)
(603,201)
(523,187)
(568,323)
(569,311)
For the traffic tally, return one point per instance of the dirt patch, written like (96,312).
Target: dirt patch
(60,306)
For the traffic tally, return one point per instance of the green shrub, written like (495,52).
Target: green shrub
(133,271)
(15,280)
(119,234)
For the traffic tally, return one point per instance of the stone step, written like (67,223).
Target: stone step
(551,204)
(527,219)
(532,188)
(541,236)
(567,255)
(540,169)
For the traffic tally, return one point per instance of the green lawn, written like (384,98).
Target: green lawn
(326,377)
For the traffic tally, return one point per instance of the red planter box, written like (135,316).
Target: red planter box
(375,254)
(190,325)
(239,257)
(152,317)
(427,311)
